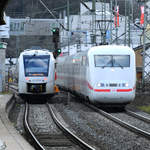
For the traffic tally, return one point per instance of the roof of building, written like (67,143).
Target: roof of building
(147,45)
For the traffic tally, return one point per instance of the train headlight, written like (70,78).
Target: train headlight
(125,84)
(100,84)
(27,78)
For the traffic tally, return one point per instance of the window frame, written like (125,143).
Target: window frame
(112,61)
(36,57)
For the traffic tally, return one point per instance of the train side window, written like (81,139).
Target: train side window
(87,61)
(84,61)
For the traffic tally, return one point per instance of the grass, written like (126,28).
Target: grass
(145,108)
(3,93)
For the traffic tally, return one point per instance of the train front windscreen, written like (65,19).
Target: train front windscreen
(112,61)
(36,65)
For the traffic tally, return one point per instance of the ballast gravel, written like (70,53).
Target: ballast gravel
(96,129)
(92,127)
(41,121)
(133,121)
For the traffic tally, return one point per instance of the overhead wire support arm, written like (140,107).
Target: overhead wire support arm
(52,15)
(86,6)
(91,10)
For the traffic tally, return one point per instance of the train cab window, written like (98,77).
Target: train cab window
(103,61)
(36,65)
(112,61)
(121,61)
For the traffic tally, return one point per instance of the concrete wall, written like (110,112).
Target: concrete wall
(2,66)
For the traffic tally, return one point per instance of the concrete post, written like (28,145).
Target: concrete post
(3,47)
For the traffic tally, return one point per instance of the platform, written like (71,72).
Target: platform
(9,136)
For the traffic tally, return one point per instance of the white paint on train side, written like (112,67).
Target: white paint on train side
(104,74)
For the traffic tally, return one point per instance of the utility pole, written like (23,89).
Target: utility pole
(68,13)
(103,24)
(144,73)
(125,39)
(93,21)
(17,46)
(111,10)
(129,17)
(116,22)
(145,54)
(68,22)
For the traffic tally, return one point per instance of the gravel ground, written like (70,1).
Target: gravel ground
(141,100)
(92,127)
(41,121)
(15,115)
(133,121)
(97,130)
(43,124)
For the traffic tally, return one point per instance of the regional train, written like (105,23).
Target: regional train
(36,72)
(103,74)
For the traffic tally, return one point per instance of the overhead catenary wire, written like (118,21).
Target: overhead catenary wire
(52,15)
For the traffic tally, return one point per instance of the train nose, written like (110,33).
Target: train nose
(113,92)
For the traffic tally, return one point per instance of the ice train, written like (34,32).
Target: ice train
(103,74)
(36,69)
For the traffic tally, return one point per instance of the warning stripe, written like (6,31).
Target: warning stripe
(124,90)
(102,90)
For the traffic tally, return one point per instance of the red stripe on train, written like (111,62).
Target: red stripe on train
(124,90)
(90,87)
(102,90)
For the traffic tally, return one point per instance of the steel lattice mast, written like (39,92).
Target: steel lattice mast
(145,52)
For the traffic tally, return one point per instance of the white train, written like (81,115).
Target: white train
(36,72)
(103,74)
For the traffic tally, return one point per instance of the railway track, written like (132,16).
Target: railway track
(47,141)
(138,116)
(142,123)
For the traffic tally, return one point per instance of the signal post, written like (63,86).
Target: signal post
(57,50)
(3,47)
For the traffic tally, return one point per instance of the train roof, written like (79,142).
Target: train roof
(107,49)
(111,49)
(102,50)
(37,52)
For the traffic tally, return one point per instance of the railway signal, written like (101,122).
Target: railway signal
(55,32)
(58,51)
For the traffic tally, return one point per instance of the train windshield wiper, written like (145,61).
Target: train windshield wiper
(106,65)
(119,65)
(116,64)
